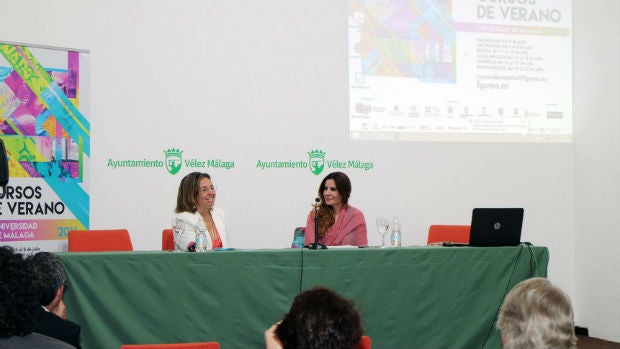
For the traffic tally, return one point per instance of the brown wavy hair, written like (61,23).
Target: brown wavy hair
(327,217)
(188,191)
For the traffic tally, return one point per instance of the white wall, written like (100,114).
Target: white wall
(246,81)
(597,174)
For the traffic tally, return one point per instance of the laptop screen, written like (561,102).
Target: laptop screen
(496,226)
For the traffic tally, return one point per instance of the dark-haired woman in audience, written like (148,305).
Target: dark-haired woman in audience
(195,206)
(339,222)
(318,318)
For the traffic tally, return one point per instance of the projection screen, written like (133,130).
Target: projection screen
(466,70)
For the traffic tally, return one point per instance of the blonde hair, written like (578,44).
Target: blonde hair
(537,315)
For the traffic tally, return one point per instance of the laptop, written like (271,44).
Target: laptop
(496,226)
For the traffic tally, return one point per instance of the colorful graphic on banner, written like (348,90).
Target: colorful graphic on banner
(47,139)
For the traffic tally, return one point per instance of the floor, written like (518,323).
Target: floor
(585,342)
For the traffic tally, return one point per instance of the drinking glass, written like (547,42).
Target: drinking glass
(178,227)
(383,226)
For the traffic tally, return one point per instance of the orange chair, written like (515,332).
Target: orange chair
(452,233)
(167,240)
(364,343)
(99,240)
(196,345)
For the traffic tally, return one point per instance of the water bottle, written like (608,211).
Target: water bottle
(395,236)
(298,239)
(201,241)
(201,238)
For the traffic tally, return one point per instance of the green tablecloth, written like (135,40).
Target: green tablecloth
(414,297)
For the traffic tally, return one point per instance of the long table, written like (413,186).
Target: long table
(410,297)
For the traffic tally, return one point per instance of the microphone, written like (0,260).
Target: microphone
(316,219)
(316,245)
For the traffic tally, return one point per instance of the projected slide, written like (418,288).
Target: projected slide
(464,70)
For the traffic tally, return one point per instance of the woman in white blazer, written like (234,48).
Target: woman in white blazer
(195,206)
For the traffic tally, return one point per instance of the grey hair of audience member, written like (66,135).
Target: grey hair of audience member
(49,273)
(536,314)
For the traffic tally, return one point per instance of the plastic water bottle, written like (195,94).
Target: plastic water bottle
(298,239)
(201,238)
(201,242)
(395,236)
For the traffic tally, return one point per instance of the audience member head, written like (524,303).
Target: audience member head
(19,300)
(320,318)
(49,272)
(189,188)
(343,186)
(536,314)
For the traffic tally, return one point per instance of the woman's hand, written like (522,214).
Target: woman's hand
(271,340)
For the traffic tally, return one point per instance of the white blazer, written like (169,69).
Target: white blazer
(190,222)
